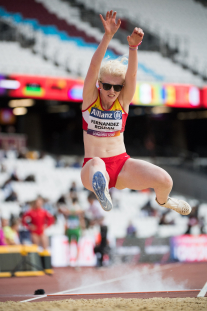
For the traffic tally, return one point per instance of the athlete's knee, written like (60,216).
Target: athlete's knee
(166,180)
(96,161)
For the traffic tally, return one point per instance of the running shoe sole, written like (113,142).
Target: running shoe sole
(101,191)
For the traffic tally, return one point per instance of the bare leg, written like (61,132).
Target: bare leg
(35,239)
(77,255)
(95,178)
(44,241)
(139,175)
(92,166)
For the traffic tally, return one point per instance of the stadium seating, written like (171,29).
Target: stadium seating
(152,66)
(29,9)
(170,72)
(15,59)
(181,23)
(65,40)
(8,208)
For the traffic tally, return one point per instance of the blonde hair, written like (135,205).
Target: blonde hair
(115,67)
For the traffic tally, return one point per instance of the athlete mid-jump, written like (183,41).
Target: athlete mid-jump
(105,110)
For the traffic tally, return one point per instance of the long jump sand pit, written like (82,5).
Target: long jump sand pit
(168,287)
(110,304)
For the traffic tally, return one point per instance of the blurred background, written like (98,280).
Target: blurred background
(45,50)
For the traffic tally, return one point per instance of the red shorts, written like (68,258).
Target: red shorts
(113,166)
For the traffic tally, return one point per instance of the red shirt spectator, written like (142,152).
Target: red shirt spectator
(37,220)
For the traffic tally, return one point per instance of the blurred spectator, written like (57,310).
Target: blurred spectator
(11,232)
(77,163)
(14,176)
(21,153)
(102,248)
(42,155)
(37,220)
(193,222)
(59,162)
(32,155)
(131,230)
(73,214)
(94,214)
(7,187)
(48,206)
(63,202)
(2,168)
(30,178)
(12,197)
(4,149)
(147,210)
(24,233)
(74,223)
(164,220)
(9,193)
(202,224)
(2,238)
(73,191)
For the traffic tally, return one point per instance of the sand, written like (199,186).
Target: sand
(110,304)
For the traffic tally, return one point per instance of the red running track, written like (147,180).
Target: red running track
(92,283)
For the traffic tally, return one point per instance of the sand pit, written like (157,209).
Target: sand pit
(110,304)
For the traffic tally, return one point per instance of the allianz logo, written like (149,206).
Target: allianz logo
(116,115)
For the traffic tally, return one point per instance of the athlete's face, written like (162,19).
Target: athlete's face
(109,96)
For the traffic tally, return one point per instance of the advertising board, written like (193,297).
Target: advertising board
(38,87)
(189,248)
(68,89)
(151,249)
(204,96)
(173,95)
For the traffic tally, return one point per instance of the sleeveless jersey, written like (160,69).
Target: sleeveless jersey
(104,123)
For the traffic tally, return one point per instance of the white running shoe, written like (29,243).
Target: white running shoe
(179,206)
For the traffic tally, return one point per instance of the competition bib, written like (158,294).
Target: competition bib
(104,123)
(73,222)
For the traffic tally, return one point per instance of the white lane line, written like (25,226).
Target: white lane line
(156,269)
(39,297)
(203,291)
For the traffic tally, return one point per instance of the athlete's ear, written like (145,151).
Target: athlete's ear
(99,85)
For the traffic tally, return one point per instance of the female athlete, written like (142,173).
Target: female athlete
(105,110)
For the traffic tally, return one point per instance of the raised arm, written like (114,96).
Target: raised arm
(89,90)
(131,74)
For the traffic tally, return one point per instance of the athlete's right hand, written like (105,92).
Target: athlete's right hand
(110,24)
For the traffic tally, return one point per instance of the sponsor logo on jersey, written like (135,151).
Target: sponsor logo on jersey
(103,134)
(109,115)
(118,115)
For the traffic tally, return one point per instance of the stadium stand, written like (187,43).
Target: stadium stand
(15,59)
(52,182)
(152,65)
(64,39)
(170,21)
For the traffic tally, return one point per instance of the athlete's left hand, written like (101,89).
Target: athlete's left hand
(136,36)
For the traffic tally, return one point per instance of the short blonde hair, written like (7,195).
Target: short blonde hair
(114,67)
